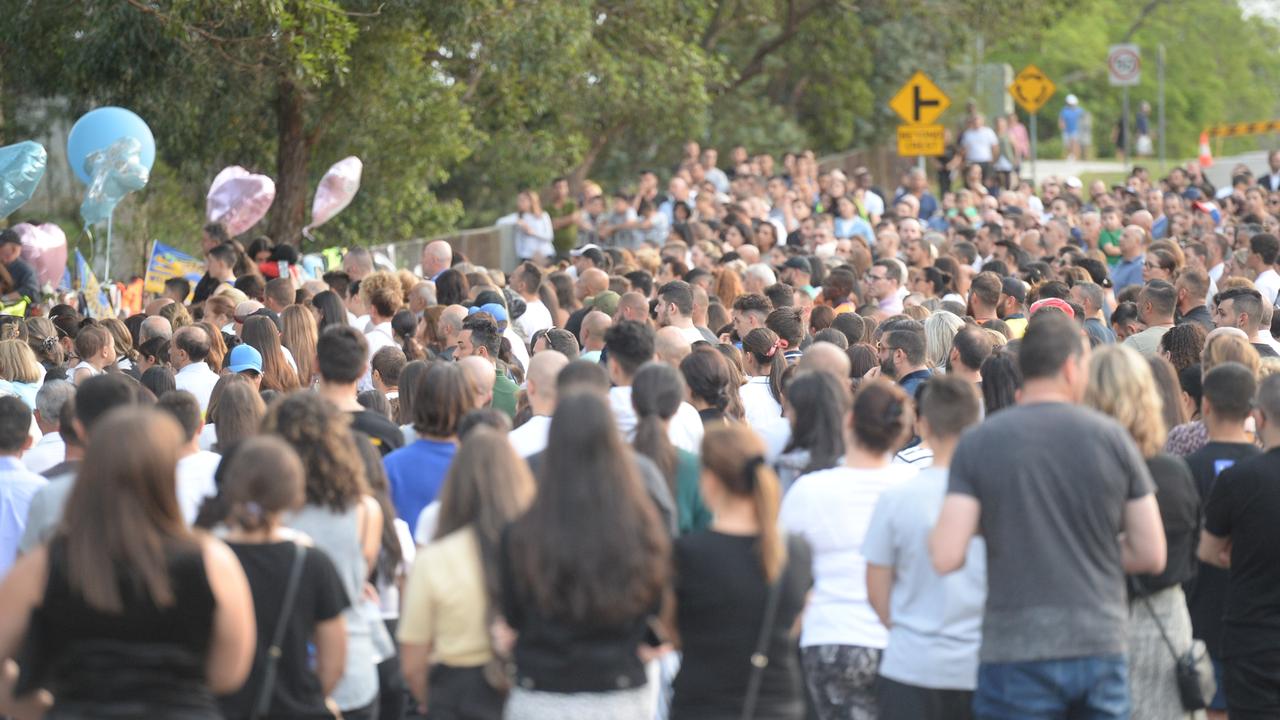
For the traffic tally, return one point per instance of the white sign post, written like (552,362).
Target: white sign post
(1124,69)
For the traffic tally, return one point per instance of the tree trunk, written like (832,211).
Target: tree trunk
(288,212)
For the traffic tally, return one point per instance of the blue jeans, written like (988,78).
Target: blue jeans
(1090,688)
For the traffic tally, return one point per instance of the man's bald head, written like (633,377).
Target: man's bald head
(154,327)
(594,281)
(483,374)
(633,306)
(543,369)
(154,306)
(670,345)
(594,326)
(828,358)
(436,257)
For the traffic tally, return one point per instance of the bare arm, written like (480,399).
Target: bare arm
(415,661)
(1142,546)
(957,524)
(331,652)
(235,635)
(371,522)
(20,593)
(879,587)
(1214,550)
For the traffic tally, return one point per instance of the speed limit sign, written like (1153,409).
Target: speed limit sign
(1124,65)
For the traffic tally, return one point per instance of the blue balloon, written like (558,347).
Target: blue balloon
(117,171)
(21,167)
(98,129)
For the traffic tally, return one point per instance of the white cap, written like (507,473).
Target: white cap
(1073,100)
(1074,182)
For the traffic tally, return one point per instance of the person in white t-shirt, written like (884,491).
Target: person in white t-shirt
(979,142)
(526,281)
(764,361)
(196,467)
(383,296)
(540,387)
(842,638)
(1264,249)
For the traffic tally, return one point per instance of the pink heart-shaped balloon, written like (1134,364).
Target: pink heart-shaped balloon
(238,199)
(45,248)
(337,188)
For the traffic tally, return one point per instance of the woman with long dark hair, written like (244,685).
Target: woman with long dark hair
(724,576)
(831,509)
(455,587)
(581,609)
(344,521)
(656,393)
(1001,381)
(817,404)
(329,310)
(277,373)
(129,613)
(452,288)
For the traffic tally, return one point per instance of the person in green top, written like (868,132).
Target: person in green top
(657,389)
(564,218)
(481,337)
(1109,238)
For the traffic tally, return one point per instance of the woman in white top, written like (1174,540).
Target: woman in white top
(842,638)
(763,362)
(533,228)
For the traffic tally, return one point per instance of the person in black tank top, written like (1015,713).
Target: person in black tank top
(131,614)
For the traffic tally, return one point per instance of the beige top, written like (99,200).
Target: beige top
(445,602)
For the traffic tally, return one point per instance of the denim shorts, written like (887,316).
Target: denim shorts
(1089,688)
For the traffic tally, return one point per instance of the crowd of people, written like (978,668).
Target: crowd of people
(777,443)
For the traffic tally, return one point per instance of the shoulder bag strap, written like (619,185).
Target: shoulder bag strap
(262,703)
(1146,600)
(760,658)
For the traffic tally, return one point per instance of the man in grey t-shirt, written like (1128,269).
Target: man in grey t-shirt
(1066,506)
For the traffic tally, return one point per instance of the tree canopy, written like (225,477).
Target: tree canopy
(454,106)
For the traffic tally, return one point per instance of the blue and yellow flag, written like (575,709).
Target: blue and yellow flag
(166,262)
(95,299)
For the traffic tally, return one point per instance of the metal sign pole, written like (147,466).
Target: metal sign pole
(1124,129)
(1160,76)
(1033,149)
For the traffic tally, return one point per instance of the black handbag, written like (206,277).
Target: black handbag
(1193,681)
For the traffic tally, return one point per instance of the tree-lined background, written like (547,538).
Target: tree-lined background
(456,105)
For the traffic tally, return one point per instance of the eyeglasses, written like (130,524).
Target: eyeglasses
(873,278)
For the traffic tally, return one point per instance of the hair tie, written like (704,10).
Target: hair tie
(772,349)
(749,470)
(782,343)
(48,343)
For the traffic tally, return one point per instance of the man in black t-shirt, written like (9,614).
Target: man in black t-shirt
(1241,533)
(343,356)
(1228,392)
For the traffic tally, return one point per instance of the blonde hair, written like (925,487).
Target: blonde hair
(940,331)
(300,335)
(18,363)
(1122,386)
(1224,348)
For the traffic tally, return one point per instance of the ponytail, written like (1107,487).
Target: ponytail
(652,441)
(765,492)
(777,369)
(767,349)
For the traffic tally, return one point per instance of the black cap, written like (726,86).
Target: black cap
(798,263)
(270,315)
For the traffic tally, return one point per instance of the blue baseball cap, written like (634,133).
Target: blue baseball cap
(498,312)
(244,357)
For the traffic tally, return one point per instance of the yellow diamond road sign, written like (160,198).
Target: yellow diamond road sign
(921,140)
(920,102)
(1032,88)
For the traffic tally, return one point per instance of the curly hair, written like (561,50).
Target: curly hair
(321,435)
(1183,344)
